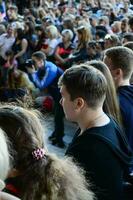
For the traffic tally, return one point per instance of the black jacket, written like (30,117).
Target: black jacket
(104,154)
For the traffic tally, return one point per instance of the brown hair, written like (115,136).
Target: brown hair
(86,82)
(121,57)
(49,178)
(111,104)
(85,36)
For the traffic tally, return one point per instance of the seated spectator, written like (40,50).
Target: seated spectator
(130,22)
(111,40)
(64,49)
(10,63)
(29,30)
(100,34)
(47,176)
(124,27)
(41,37)
(93,51)
(12,14)
(69,24)
(51,43)
(18,79)
(104,23)
(80,53)
(6,41)
(20,47)
(116,27)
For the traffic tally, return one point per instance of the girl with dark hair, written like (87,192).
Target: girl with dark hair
(31,37)
(36,174)
(20,47)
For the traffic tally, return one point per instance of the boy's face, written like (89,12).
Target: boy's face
(68,105)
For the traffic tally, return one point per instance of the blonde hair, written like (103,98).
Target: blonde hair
(4,156)
(50,178)
(68,32)
(53,31)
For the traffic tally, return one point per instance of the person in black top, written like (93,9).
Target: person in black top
(119,60)
(99,146)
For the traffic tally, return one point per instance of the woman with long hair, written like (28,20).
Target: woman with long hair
(80,53)
(111,105)
(36,174)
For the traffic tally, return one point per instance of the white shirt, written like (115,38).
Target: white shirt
(6,43)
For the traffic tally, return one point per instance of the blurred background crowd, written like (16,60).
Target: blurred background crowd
(67,32)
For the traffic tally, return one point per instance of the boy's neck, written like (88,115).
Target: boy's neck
(93,118)
(123,83)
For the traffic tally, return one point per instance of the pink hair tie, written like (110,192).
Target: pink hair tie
(38,154)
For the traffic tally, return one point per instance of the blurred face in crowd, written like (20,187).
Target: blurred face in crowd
(108,43)
(39,63)
(10,30)
(65,37)
(11,13)
(124,26)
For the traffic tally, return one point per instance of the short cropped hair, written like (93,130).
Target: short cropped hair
(128,37)
(87,82)
(121,57)
(129,45)
(39,55)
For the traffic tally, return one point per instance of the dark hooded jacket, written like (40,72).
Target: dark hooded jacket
(125,94)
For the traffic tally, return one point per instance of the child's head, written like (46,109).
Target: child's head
(42,176)
(25,132)
(85,81)
(83,84)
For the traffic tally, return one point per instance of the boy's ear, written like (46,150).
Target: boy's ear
(118,73)
(79,103)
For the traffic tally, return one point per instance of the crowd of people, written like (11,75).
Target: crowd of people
(75,59)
